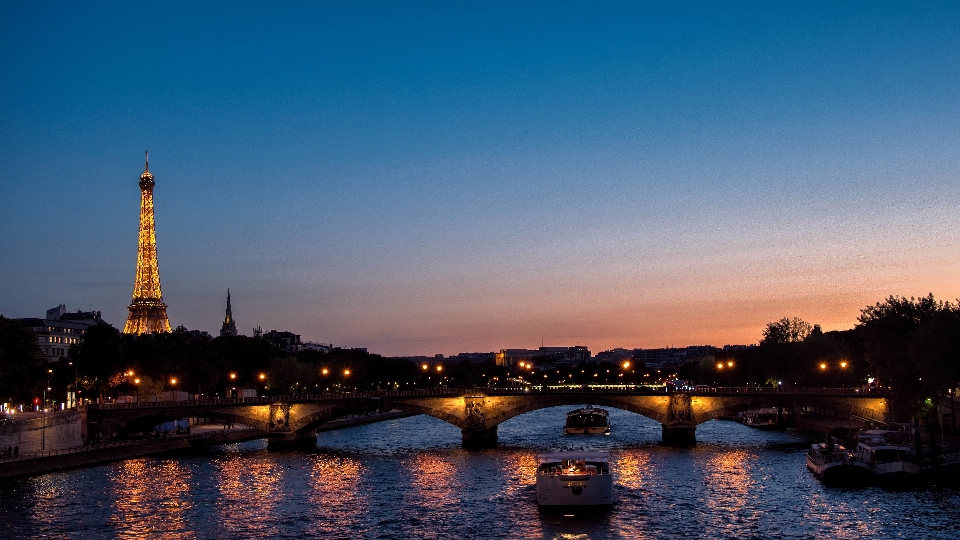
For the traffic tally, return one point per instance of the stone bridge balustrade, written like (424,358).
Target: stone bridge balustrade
(290,420)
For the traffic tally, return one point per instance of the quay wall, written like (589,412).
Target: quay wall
(85,456)
(57,431)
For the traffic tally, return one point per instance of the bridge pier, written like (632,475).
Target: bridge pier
(679,436)
(283,440)
(479,438)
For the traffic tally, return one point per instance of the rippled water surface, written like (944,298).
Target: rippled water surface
(409,478)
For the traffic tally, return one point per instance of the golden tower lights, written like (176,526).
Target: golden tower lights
(148,313)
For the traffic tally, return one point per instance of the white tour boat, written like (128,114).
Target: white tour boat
(574,479)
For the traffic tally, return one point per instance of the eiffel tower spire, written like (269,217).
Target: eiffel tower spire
(148,313)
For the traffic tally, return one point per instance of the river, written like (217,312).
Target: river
(409,478)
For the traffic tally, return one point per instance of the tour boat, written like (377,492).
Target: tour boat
(574,479)
(830,463)
(587,421)
(761,418)
(887,458)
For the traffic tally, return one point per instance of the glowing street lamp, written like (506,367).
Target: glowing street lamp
(233,376)
(346,373)
(719,365)
(730,363)
(324,371)
(262,376)
(439,369)
(843,364)
(426,367)
(823,366)
(626,365)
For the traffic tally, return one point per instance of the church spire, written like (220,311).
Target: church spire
(229,327)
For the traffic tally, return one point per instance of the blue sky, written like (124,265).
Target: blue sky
(424,178)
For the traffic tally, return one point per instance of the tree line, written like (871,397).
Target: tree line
(911,345)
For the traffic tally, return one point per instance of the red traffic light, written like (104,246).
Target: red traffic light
(36,401)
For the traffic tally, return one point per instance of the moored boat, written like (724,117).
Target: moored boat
(587,421)
(888,457)
(574,479)
(831,464)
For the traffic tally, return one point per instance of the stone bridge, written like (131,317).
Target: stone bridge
(287,420)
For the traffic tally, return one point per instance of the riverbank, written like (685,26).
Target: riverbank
(33,463)
(83,456)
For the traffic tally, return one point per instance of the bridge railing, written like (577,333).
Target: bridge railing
(502,390)
(326,396)
(713,390)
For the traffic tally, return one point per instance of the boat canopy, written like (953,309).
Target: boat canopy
(584,455)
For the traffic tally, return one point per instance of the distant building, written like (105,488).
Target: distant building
(194,334)
(285,341)
(475,357)
(229,327)
(60,329)
(672,358)
(614,355)
(543,355)
(321,347)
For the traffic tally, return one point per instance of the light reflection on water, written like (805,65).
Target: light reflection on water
(335,495)
(409,479)
(151,498)
(249,492)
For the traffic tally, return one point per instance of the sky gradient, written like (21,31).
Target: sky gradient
(421,178)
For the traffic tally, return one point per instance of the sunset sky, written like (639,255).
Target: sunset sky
(421,178)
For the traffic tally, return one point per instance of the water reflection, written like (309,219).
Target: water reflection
(151,498)
(335,497)
(433,480)
(632,469)
(46,492)
(727,494)
(250,491)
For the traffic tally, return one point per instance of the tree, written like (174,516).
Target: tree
(99,355)
(899,348)
(786,330)
(22,370)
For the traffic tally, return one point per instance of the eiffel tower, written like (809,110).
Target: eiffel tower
(148,313)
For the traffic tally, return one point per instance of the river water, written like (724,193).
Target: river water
(409,478)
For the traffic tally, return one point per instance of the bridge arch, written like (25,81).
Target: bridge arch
(142,420)
(544,402)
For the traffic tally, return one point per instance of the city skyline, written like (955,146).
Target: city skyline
(433,178)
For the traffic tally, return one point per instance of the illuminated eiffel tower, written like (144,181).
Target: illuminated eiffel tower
(148,313)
